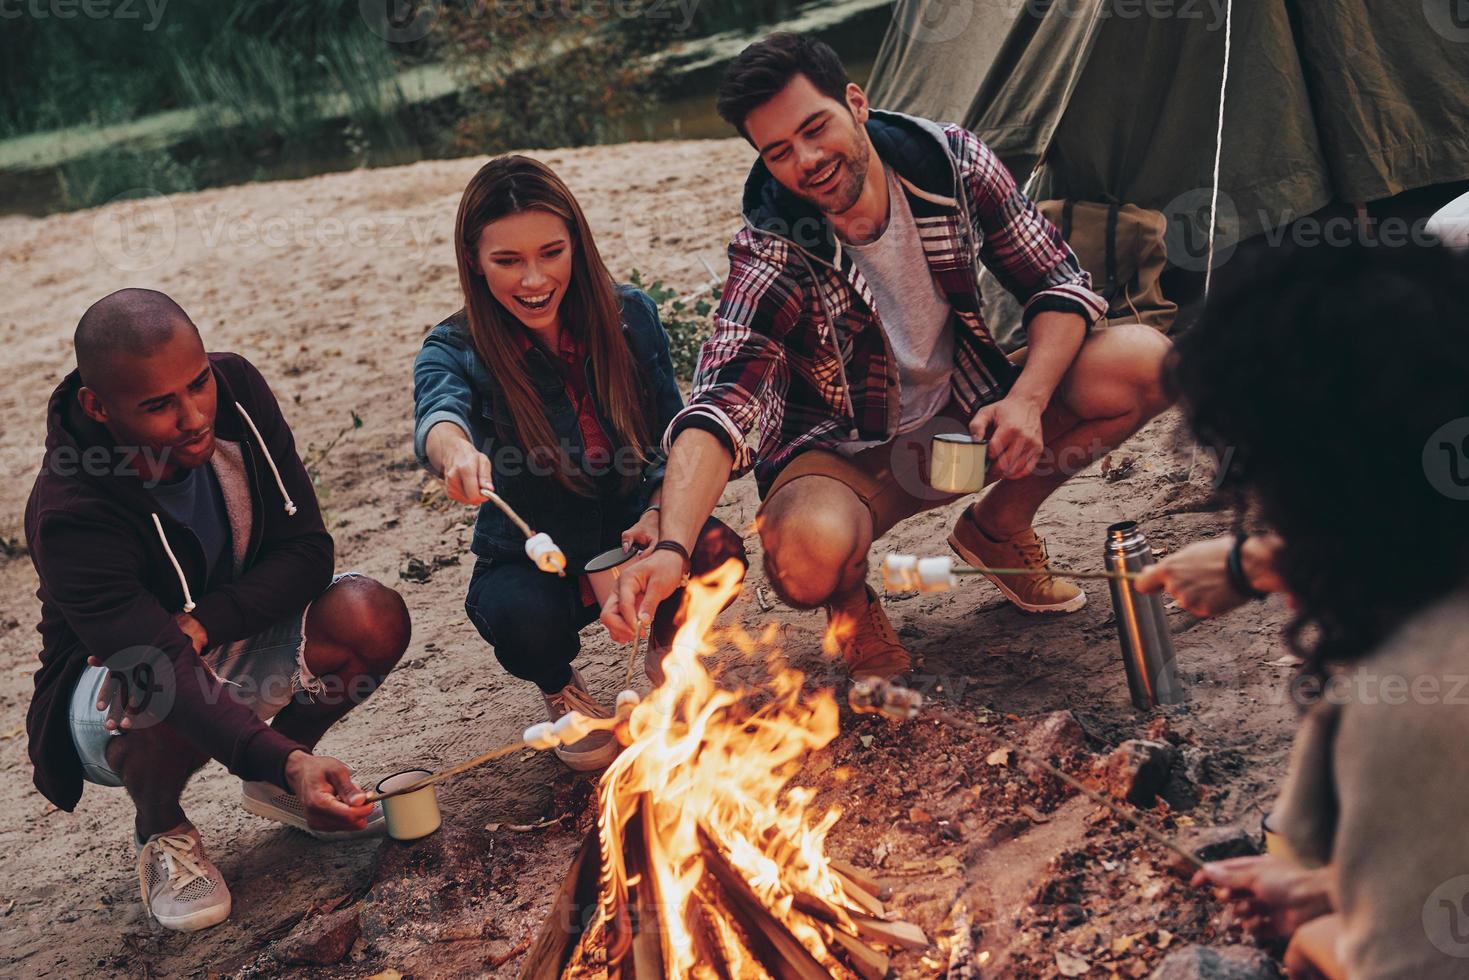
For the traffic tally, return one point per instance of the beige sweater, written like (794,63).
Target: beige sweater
(1379,788)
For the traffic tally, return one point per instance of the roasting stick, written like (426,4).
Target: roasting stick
(632,658)
(570,727)
(910,573)
(539,547)
(1061,572)
(871,696)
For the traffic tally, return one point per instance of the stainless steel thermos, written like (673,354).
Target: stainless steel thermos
(1142,626)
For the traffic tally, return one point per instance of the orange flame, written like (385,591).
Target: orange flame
(701,754)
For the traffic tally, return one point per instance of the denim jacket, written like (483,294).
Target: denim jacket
(451,383)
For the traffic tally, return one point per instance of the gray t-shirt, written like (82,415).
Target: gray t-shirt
(913,312)
(197,502)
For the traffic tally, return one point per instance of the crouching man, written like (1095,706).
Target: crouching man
(187,598)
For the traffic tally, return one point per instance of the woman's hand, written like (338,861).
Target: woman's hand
(643,534)
(467,471)
(1198,576)
(1271,895)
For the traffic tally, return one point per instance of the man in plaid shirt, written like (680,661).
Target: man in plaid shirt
(850,333)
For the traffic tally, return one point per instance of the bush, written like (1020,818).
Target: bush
(687,323)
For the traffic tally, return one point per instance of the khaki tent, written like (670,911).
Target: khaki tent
(1327,100)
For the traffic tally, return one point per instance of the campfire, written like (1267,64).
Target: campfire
(705,861)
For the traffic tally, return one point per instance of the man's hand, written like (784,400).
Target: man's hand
(643,534)
(194,630)
(1197,576)
(640,591)
(324,786)
(1271,895)
(1013,427)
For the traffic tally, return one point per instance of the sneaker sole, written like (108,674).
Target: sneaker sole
(260,808)
(593,761)
(1059,609)
(195,921)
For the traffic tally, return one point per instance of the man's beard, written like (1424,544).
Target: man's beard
(848,189)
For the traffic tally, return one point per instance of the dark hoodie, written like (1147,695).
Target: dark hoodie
(109,584)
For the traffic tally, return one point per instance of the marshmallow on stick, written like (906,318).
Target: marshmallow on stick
(545,553)
(909,573)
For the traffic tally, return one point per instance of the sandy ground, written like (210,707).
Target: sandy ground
(328,285)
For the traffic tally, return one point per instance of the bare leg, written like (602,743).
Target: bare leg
(816,534)
(355,633)
(1112,390)
(155,764)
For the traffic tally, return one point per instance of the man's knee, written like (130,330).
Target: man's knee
(1120,373)
(363,616)
(717,544)
(808,553)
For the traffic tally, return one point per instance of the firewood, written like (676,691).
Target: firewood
(859,896)
(780,952)
(649,952)
(563,926)
(865,961)
(707,947)
(861,878)
(903,934)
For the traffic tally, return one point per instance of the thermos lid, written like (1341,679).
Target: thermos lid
(960,437)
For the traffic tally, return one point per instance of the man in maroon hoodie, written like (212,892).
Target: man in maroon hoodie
(187,598)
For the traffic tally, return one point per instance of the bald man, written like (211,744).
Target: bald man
(188,598)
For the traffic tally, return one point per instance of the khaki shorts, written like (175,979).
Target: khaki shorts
(891,479)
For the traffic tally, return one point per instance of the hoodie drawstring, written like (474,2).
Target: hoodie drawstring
(265,450)
(835,344)
(177,568)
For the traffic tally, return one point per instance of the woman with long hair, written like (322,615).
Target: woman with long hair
(1333,383)
(550,388)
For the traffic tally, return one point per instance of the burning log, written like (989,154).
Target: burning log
(563,928)
(777,949)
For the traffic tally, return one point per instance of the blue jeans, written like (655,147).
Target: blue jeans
(534,620)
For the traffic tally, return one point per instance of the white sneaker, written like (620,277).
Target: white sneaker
(181,887)
(273,803)
(597,750)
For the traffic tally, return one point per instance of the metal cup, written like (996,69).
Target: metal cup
(956,463)
(604,570)
(1142,625)
(412,815)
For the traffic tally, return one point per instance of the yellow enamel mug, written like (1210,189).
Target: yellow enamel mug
(957,462)
(412,815)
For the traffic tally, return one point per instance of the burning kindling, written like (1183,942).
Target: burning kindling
(706,862)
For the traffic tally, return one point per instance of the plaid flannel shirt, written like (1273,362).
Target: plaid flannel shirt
(798,348)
